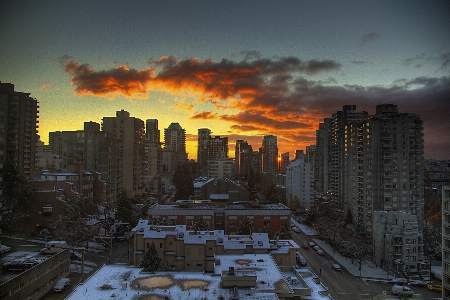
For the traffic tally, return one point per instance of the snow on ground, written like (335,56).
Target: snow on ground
(368,269)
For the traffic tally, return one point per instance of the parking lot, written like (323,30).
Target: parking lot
(94,259)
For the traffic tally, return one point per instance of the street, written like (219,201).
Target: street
(342,284)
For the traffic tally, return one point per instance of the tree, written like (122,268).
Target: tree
(183,182)
(295,204)
(15,197)
(200,225)
(285,231)
(125,211)
(71,225)
(246,226)
(151,260)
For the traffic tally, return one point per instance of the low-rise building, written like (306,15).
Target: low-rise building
(398,244)
(184,250)
(265,217)
(56,188)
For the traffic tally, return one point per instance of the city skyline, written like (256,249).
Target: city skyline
(243,70)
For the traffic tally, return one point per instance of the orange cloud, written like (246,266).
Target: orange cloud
(271,96)
(45,86)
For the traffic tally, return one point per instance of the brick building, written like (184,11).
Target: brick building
(265,217)
(56,188)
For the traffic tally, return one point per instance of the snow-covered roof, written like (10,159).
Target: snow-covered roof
(123,282)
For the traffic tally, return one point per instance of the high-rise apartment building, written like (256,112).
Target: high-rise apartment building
(204,135)
(284,162)
(386,152)
(446,242)
(243,158)
(300,183)
(153,158)
(95,150)
(129,132)
(339,121)
(174,152)
(18,128)
(322,161)
(217,148)
(152,132)
(153,148)
(269,152)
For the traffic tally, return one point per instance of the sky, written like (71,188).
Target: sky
(243,69)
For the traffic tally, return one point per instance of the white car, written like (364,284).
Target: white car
(402,290)
(336,267)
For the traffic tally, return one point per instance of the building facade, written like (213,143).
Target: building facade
(446,242)
(398,244)
(269,151)
(174,146)
(300,184)
(18,128)
(183,250)
(204,135)
(387,158)
(130,159)
(265,217)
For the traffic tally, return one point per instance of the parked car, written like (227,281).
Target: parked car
(74,255)
(320,252)
(4,249)
(336,267)
(316,248)
(300,259)
(17,264)
(296,229)
(59,286)
(402,290)
(66,281)
(435,287)
(399,280)
(305,246)
(418,283)
(311,244)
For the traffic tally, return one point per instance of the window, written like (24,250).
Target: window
(160,245)
(188,251)
(267,223)
(188,222)
(232,223)
(219,220)
(200,251)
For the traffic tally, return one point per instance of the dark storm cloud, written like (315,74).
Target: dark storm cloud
(369,37)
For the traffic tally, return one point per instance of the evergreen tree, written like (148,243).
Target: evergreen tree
(151,260)
(285,231)
(200,225)
(15,197)
(183,182)
(246,227)
(125,211)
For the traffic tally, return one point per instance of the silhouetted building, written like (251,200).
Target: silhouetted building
(129,133)
(269,152)
(18,128)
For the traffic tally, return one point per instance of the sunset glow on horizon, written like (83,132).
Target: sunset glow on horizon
(243,70)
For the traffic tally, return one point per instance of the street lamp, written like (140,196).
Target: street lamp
(320,270)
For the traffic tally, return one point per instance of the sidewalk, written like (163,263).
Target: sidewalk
(368,269)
